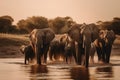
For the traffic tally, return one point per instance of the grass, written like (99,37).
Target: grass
(15,40)
(10,45)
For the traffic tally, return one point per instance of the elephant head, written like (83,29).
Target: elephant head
(84,34)
(40,40)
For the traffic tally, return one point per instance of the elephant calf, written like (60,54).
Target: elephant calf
(28,51)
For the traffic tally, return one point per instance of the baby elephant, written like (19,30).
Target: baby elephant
(28,51)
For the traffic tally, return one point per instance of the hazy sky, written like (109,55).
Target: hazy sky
(80,10)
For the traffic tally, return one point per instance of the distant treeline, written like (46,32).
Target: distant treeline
(59,24)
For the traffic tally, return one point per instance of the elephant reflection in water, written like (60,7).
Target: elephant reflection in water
(104,72)
(38,69)
(80,73)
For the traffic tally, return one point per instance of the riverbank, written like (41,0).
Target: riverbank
(10,44)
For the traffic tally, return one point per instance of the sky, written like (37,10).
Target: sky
(82,11)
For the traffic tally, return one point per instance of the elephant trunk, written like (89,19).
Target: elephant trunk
(87,51)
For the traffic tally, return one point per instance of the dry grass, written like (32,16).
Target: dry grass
(10,44)
(15,40)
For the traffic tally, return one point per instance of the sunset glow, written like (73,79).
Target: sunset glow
(80,10)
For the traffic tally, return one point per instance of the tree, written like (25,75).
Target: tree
(61,24)
(33,22)
(6,23)
(111,25)
(21,26)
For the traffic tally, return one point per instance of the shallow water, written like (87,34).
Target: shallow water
(14,69)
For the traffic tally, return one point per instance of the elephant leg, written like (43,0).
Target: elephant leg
(25,61)
(87,50)
(38,59)
(108,53)
(74,55)
(38,54)
(80,53)
(51,54)
(103,54)
(91,58)
(66,59)
(46,48)
(98,53)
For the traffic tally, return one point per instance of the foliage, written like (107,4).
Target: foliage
(111,25)
(61,24)
(32,22)
(6,24)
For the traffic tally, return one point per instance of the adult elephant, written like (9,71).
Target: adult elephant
(108,36)
(84,35)
(40,40)
(70,50)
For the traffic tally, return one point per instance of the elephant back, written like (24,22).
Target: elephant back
(49,35)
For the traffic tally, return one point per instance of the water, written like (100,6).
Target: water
(15,69)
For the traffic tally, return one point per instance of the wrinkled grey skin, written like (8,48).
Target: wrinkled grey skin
(40,40)
(84,35)
(28,52)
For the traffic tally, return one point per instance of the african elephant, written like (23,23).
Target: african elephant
(57,46)
(70,50)
(28,52)
(84,35)
(107,38)
(40,40)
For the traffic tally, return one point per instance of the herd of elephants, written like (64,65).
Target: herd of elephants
(80,43)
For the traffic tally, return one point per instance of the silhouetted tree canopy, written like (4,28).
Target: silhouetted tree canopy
(6,24)
(61,24)
(111,25)
(33,22)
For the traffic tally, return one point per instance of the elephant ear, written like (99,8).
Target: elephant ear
(110,35)
(74,32)
(49,35)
